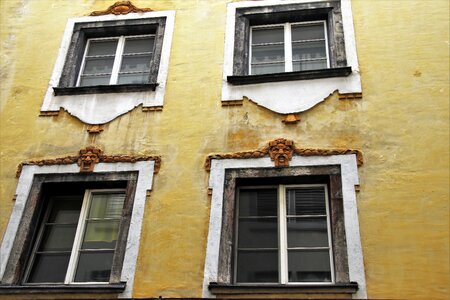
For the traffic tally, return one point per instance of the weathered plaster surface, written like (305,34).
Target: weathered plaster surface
(290,96)
(401,125)
(144,183)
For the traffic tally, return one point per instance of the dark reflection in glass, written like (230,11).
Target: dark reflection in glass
(307,232)
(94,267)
(58,237)
(65,210)
(257,266)
(49,268)
(258,233)
(309,266)
(307,32)
(254,202)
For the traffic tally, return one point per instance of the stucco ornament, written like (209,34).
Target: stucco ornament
(120,8)
(281,151)
(88,158)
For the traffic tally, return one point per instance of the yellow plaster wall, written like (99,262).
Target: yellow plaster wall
(401,125)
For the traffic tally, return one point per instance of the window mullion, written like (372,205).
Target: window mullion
(117,60)
(282,235)
(83,63)
(287,48)
(71,268)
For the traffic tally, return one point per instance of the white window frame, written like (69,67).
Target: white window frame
(79,234)
(117,56)
(287,29)
(283,269)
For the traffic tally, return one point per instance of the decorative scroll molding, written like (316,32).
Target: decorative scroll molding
(93,129)
(48,113)
(281,151)
(291,119)
(88,157)
(120,8)
(152,108)
(233,103)
(350,96)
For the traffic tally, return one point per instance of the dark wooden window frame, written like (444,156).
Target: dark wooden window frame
(331,175)
(329,11)
(13,279)
(86,30)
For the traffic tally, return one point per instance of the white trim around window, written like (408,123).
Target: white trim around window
(145,170)
(349,175)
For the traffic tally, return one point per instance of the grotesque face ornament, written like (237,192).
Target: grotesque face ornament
(281,151)
(88,158)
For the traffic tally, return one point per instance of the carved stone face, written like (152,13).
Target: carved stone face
(88,158)
(281,152)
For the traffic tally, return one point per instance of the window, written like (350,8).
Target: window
(113,56)
(288,47)
(288,228)
(285,230)
(119,60)
(77,238)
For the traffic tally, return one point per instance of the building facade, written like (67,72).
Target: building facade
(224,149)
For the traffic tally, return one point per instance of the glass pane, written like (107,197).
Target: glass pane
(267,54)
(267,35)
(100,235)
(309,266)
(307,232)
(139,45)
(49,268)
(135,63)
(133,78)
(267,69)
(258,202)
(58,237)
(102,47)
(95,80)
(309,65)
(65,210)
(258,233)
(308,32)
(94,266)
(98,65)
(310,50)
(106,206)
(306,201)
(257,266)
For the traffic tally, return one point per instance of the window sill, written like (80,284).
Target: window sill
(289,76)
(63,288)
(235,289)
(104,89)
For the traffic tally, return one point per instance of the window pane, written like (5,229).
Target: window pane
(258,233)
(135,63)
(267,69)
(94,266)
(310,50)
(308,32)
(100,235)
(106,206)
(133,78)
(307,232)
(310,65)
(257,266)
(98,65)
(267,54)
(309,266)
(94,80)
(139,45)
(102,47)
(306,201)
(49,268)
(267,35)
(65,210)
(58,237)
(258,202)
